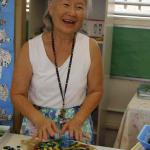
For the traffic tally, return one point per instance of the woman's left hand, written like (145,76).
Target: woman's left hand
(74,129)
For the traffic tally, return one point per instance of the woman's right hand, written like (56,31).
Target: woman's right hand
(45,127)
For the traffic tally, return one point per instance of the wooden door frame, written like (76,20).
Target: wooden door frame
(20,30)
(20,24)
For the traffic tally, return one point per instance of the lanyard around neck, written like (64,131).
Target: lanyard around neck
(63,94)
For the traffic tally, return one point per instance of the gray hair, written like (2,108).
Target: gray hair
(47,20)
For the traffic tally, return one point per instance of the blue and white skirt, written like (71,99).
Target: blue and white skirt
(28,128)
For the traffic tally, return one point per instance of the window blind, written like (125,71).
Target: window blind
(138,8)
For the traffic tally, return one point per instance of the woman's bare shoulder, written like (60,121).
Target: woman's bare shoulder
(94,48)
(22,58)
(93,43)
(24,50)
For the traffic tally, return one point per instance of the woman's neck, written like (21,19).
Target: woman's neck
(63,38)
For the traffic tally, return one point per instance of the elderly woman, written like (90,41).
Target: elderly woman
(57,79)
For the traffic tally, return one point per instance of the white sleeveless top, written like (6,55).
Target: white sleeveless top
(44,89)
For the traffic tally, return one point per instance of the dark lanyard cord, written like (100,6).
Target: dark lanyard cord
(57,72)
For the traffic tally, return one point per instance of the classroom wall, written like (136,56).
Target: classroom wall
(120,90)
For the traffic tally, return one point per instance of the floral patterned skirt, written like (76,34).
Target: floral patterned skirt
(29,129)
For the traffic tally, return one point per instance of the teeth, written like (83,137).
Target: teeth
(68,20)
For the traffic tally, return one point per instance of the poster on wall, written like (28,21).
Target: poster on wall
(93,28)
(6,59)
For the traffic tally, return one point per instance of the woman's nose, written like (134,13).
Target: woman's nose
(72,11)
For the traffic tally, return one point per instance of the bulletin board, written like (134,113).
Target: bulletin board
(6,59)
(131,52)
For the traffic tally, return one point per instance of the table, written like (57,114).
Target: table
(135,117)
(15,139)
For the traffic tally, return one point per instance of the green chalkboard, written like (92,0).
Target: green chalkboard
(131,52)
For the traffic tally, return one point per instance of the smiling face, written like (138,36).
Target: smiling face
(67,15)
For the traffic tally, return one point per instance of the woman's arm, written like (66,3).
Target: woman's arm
(20,85)
(19,93)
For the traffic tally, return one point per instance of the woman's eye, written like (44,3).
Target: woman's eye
(79,7)
(66,5)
